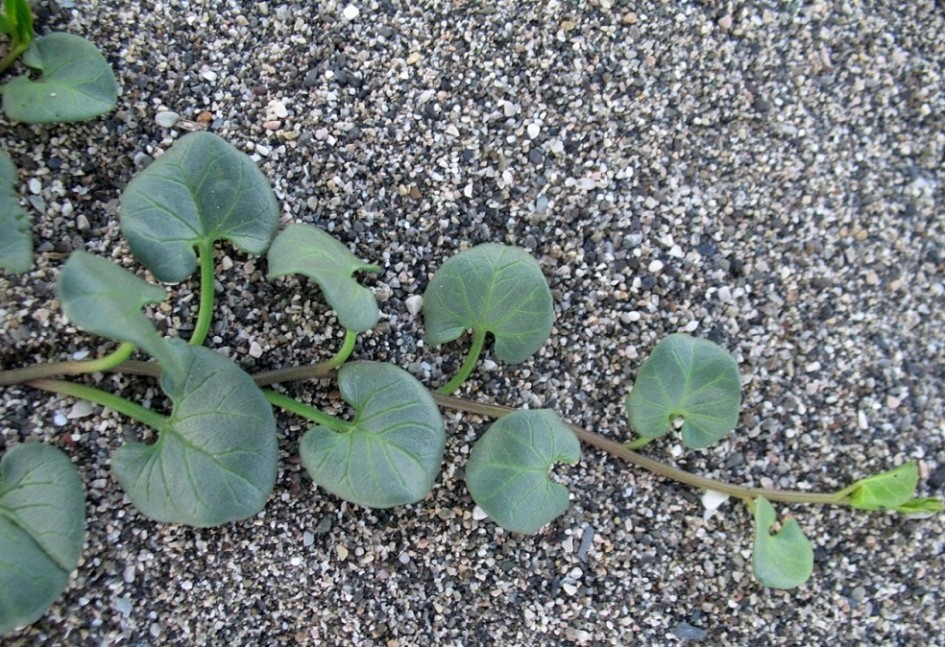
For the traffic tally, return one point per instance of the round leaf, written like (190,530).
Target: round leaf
(16,246)
(686,378)
(887,490)
(42,527)
(307,250)
(103,298)
(507,472)
(393,450)
(215,458)
(77,82)
(783,560)
(491,288)
(200,191)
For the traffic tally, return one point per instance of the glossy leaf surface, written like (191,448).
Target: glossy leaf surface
(393,450)
(507,472)
(77,82)
(16,246)
(491,288)
(100,297)
(887,490)
(309,251)
(689,378)
(200,191)
(783,560)
(215,458)
(42,528)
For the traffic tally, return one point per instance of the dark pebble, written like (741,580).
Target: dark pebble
(685,631)
(535,156)
(937,478)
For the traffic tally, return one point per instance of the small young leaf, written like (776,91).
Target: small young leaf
(393,451)
(77,83)
(922,506)
(688,378)
(215,458)
(103,298)
(16,247)
(783,560)
(307,250)
(507,472)
(20,20)
(491,288)
(42,528)
(887,490)
(200,191)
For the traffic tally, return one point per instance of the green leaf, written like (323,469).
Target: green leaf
(77,83)
(103,298)
(42,528)
(887,490)
(928,505)
(394,446)
(215,458)
(5,26)
(20,20)
(783,560)
(491,288)
(16,246)
(507,472)
(307,250)
(689,379)
(200,191)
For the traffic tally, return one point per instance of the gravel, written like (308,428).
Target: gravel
(768,176)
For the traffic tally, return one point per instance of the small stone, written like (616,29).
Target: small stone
(725,22)
(342,552)
(209,75)
(414,304)
(414,58)
(685,631)
(479,514)
(489,365)
(35,186)
(82,223)
(351,12)
(262,150)
(59,420)
(452,131)
(255,350)
(893,402)
(533,130)
(123,606)
(38,203)
(655,266)
(321,134)
(166,118)
(577,635)
(629,18)
(128,575)
(307,539)
(569,588)
(277,109)
(272,125)
(80,409)
(311,79)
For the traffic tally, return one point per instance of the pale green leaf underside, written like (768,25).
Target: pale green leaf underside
(103,298)
(393,453)
(491,288)
(16,246)
(215,459)
(42,527)
(200,191)
(784,560)
(307,250)
(921,506)
(507,472)
(77,82)
(887,490)
(690,378)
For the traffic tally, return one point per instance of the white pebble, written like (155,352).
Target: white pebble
(351,12)
(655,266)
(35,186)
(479,514)
(533,130)
(255,350)
(166,118)
(342,552)
(489,365)
(80,409)
(414,304)
(209,75)
(59,420)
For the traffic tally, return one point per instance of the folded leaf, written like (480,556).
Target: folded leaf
(921,506)
(507,472)
(783,560)
(103,298)
(689,378)
(307,250)
(42,528)
(887,490)
(491,288)
(77,82)
(16,246)
(394,448)
(200,191)
(215,459)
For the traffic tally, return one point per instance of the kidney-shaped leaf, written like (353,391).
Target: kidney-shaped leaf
(686,378)
(783,560)
(42,527)
(307,250)
(200,191)
(491,288)
(77,82)
(394,446)
(215,457)
(887,490)
(103,298)
(507,472)
(16,247)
